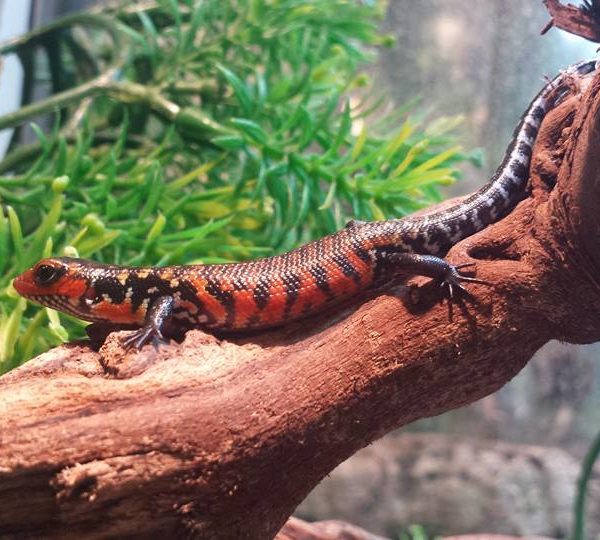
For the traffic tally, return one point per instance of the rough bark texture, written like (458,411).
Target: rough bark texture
(296,529)
(573,19)
(223,439)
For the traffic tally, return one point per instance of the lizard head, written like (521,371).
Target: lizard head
(58,283)
(88,290)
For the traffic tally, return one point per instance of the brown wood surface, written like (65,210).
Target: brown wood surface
(223,438)
(297,529)
(573,19)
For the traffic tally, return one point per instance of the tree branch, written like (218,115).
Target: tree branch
(579,21)
(223,439)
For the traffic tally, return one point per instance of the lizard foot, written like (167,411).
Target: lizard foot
(139,338)
(454,279)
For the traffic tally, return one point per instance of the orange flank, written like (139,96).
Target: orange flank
(362,267)
(215,309)
(273,313)
(245,307)
(119,313)
(310,297)
(339,284)
(190,307)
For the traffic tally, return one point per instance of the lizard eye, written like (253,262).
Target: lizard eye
(46,274)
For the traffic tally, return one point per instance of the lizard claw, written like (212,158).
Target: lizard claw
(453,278)
(159,312)
(139,338)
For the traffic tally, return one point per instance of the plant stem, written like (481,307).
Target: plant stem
(587,468)
(130,92)
(50,104)
(38,34)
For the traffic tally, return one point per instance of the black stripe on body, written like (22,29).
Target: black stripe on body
(111,287)
(226,298)
(524,149)
(530,130)
(362,254)
(292,284)
(307,308)
(253,320)
(537,113)
(261,293)
(189,294)
(139,287)
(519,169)
(319,273)
(346,267)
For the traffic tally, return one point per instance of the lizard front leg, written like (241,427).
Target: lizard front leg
(159,312)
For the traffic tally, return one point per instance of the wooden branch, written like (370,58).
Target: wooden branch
(296,529)
(222,439)
(573,19)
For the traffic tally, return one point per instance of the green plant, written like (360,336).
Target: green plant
(414,532)
(587,470)
(202,131)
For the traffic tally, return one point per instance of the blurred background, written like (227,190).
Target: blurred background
(509,463)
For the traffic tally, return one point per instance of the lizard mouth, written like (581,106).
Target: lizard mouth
(24,285)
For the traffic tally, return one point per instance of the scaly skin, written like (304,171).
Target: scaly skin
(271,291)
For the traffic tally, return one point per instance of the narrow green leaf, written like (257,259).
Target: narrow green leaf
(229,142)
(410,156)
(330,196)
(436,160)
(156,229)
(187,248)
(240,89)
(27,341)
(396,142)
(304,204)
(17,236)
(193,175)
(441,176)
(251,129)
(89,246)
(5,248)
(55,326)
(359,143)
(190,35)
(9,330)
(151,36)
(39,133)
(154,182)
(342,133)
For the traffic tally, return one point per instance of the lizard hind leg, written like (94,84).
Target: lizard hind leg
(448,275)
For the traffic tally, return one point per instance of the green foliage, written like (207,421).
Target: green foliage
(587,471)
(414,532)
(203,131)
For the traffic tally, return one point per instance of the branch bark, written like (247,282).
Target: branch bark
(296,529)
(223,439)
(573,19)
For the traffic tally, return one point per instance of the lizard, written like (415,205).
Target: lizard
(271,291)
